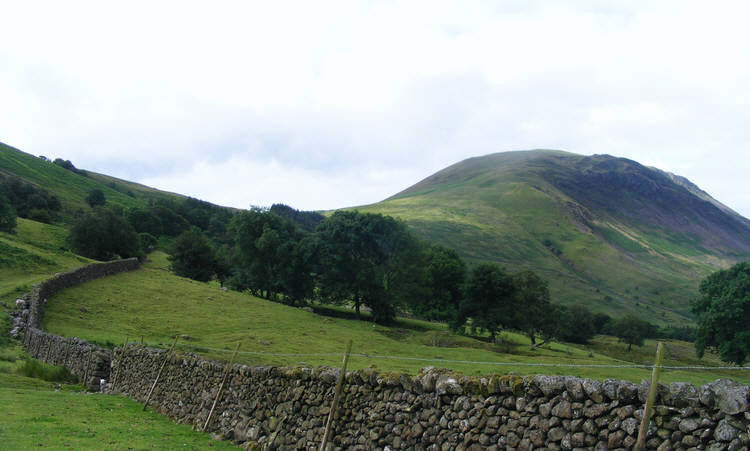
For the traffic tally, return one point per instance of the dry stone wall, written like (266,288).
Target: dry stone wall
(89,362)
(286,408)
(434,409)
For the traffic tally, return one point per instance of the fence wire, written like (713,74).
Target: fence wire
(468,362)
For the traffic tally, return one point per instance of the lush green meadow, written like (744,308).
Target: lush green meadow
(153,305)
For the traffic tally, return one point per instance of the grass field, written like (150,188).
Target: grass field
(33,253)
(155,305)
(46,415)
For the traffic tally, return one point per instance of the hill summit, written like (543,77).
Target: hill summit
(608,232)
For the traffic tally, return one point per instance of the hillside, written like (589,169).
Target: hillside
(71,187)
(607,232)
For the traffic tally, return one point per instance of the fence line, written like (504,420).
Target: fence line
(472,362)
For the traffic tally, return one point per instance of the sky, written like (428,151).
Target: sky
(326,104)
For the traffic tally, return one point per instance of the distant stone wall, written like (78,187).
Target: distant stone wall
(435,409)
(90,363)
(60,281)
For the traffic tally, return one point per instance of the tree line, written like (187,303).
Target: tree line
(373,261)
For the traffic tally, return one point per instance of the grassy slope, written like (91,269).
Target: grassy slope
(38,414)
(155,304)
(33,253)
(73,188)
(499,208)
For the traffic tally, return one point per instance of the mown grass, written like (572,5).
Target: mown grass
(154,305)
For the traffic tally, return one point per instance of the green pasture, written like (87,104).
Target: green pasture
(153,305)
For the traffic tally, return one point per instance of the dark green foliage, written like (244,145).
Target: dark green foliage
(173,224)
(306,220)
(40,370)
(66,164)
(600,322)
(145,221)
(96,198)
(631,330)
(369,259)
(723,311)
(491,300)
(533,304)
(684,333)
(102,234)
(7,215)
(148,242)
(29,201)
(446,273)
(192,256)
(578,324)
(269,258)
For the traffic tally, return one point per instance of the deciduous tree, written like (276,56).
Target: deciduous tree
(723,311)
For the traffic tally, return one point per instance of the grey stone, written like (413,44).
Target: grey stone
(630,426)
(549,385)
(562,410)
(447,385)
(593,390)
(683,394)
(574,387)
(555,434)
(725,431)
(627,392)
(688,425)
(729,396)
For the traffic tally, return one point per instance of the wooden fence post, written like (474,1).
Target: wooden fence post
(117,370)
(336,394)
(88,365)
(158,375)
(221,386)
(643,431)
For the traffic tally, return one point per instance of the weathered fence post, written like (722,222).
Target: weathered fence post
(119,364)
(336,394)
(161,368)
(221,387)
(643,431)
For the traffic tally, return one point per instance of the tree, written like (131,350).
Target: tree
(96,198)
(193,256)
(723,311)
(266,249)
(145,221)
(579,324)
(7,215)
(631,330)
(102,234)
(490,300)
(369,259)
(533,303)
(446,274)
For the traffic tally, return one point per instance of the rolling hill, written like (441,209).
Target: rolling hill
(606,232)
(72,187)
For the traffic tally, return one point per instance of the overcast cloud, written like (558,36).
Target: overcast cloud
(324,105)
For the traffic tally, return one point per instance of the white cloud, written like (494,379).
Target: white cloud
(330,104)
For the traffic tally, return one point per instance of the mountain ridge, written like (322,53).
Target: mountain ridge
(607,231)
